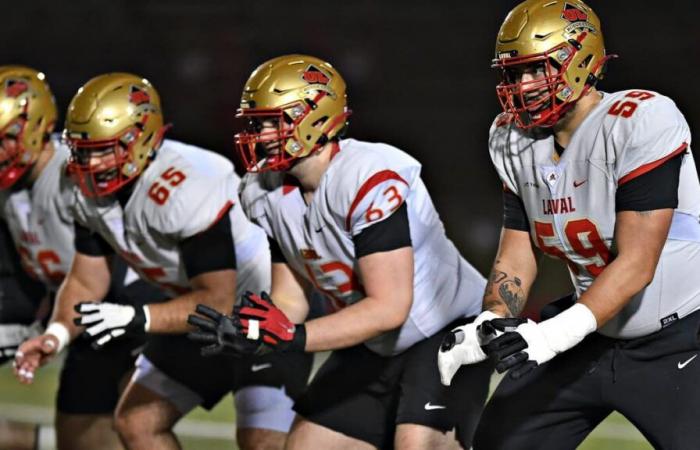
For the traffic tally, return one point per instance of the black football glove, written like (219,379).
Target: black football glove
(256,327)
(222,333)
(507,349)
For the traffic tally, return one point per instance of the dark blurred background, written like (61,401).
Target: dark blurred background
(418,73)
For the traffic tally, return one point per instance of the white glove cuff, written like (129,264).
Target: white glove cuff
(484,316)
(61,333)
(569,327)
(147,314)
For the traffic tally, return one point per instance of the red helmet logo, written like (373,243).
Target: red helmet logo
(15,88)
(573,14)
(138,96)
(313,75)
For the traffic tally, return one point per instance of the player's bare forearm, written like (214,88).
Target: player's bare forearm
(88,280)
(214,289)
(350,326)
(388,283)
(289,292)
(512,275)
(640,237)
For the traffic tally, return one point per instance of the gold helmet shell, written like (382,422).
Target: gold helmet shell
(565,37)
(27,115)
(307,97)
(117,114)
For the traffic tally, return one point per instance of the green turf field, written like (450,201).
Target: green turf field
(214,430)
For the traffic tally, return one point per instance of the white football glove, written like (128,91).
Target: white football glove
(531,344)
(462,346)
(105,321)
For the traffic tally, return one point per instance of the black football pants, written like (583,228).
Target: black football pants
(654,381)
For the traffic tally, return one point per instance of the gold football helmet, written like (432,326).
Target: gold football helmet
(27,118)
(304,98)
(561,44)
(114,126)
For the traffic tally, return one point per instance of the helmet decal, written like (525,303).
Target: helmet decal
(138,96)
(14,88)
(314,75)
(578,18)
(573,14)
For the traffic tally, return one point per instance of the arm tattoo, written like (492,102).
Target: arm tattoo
(496,277)
(509,293)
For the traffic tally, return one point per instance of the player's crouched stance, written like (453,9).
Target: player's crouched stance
(353,220)
(171,211)
(35,203)
(605,182)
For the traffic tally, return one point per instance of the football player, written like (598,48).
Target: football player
(355,221)
(605,182)
(34,205)
(21,301)
(21,296)
(171,211)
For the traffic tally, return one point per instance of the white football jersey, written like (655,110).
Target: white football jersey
(570,201)
(40,222)
(181,193)
(364,184)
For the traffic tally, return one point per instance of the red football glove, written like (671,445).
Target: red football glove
(262,321)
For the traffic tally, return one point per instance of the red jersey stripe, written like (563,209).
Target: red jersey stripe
(641,170)
(373,181)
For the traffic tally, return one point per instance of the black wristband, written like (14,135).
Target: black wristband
(298,343)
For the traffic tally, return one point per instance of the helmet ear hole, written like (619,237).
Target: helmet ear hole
(586,62)
(320,122)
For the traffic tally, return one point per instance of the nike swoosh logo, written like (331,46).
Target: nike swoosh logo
(259,367)
(683,364)
(429,407)
(579,183)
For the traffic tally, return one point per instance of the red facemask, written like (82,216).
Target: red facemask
(534,103)
(252,145)
(103,179)
(11,165)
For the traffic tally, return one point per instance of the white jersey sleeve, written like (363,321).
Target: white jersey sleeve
(499,135)
(197,197)
(656,132)
(253,192)
(375,183)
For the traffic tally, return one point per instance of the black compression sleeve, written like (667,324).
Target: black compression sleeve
(656,189)
(90,243)
(275,251)
(390,234)
(514,214)
(211,250)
